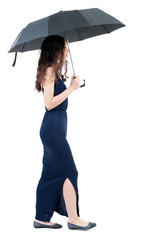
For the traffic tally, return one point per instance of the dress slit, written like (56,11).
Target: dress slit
(62,205)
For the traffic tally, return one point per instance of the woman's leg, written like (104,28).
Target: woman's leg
(70,199)
(70,202)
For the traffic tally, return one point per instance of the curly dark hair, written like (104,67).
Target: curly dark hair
(52,49)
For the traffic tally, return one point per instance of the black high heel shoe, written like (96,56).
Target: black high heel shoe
(41,225)
(76,227)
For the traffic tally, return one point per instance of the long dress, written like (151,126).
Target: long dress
(57,162)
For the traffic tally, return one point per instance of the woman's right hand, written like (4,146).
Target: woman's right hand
(75,82)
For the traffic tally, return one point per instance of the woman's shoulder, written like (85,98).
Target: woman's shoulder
(49,69)
(49,77)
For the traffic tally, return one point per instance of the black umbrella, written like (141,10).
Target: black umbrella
(75,25)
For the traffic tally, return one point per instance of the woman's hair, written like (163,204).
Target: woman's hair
(52,49)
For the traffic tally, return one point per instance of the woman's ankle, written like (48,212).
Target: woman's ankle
(73,219)
(40,221)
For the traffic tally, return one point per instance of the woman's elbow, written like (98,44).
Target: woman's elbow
(48,106)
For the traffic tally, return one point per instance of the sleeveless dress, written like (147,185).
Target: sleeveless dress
(57,162)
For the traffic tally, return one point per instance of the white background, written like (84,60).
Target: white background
(116,124)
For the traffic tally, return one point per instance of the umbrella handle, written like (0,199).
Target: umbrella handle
(82,84)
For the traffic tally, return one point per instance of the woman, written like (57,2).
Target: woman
(57,188)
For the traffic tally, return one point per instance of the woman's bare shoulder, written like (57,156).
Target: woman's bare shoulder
(49,70)
(49,76)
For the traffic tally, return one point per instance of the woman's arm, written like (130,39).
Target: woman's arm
(58,99)
(50,100)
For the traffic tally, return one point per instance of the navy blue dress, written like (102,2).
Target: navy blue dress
(58,163)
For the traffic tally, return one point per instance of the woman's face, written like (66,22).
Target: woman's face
(66,50)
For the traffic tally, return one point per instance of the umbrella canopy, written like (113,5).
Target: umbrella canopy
(74,25)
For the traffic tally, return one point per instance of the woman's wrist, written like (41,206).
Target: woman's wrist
(71,89)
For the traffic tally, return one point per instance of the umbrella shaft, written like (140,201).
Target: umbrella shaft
(69,53)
